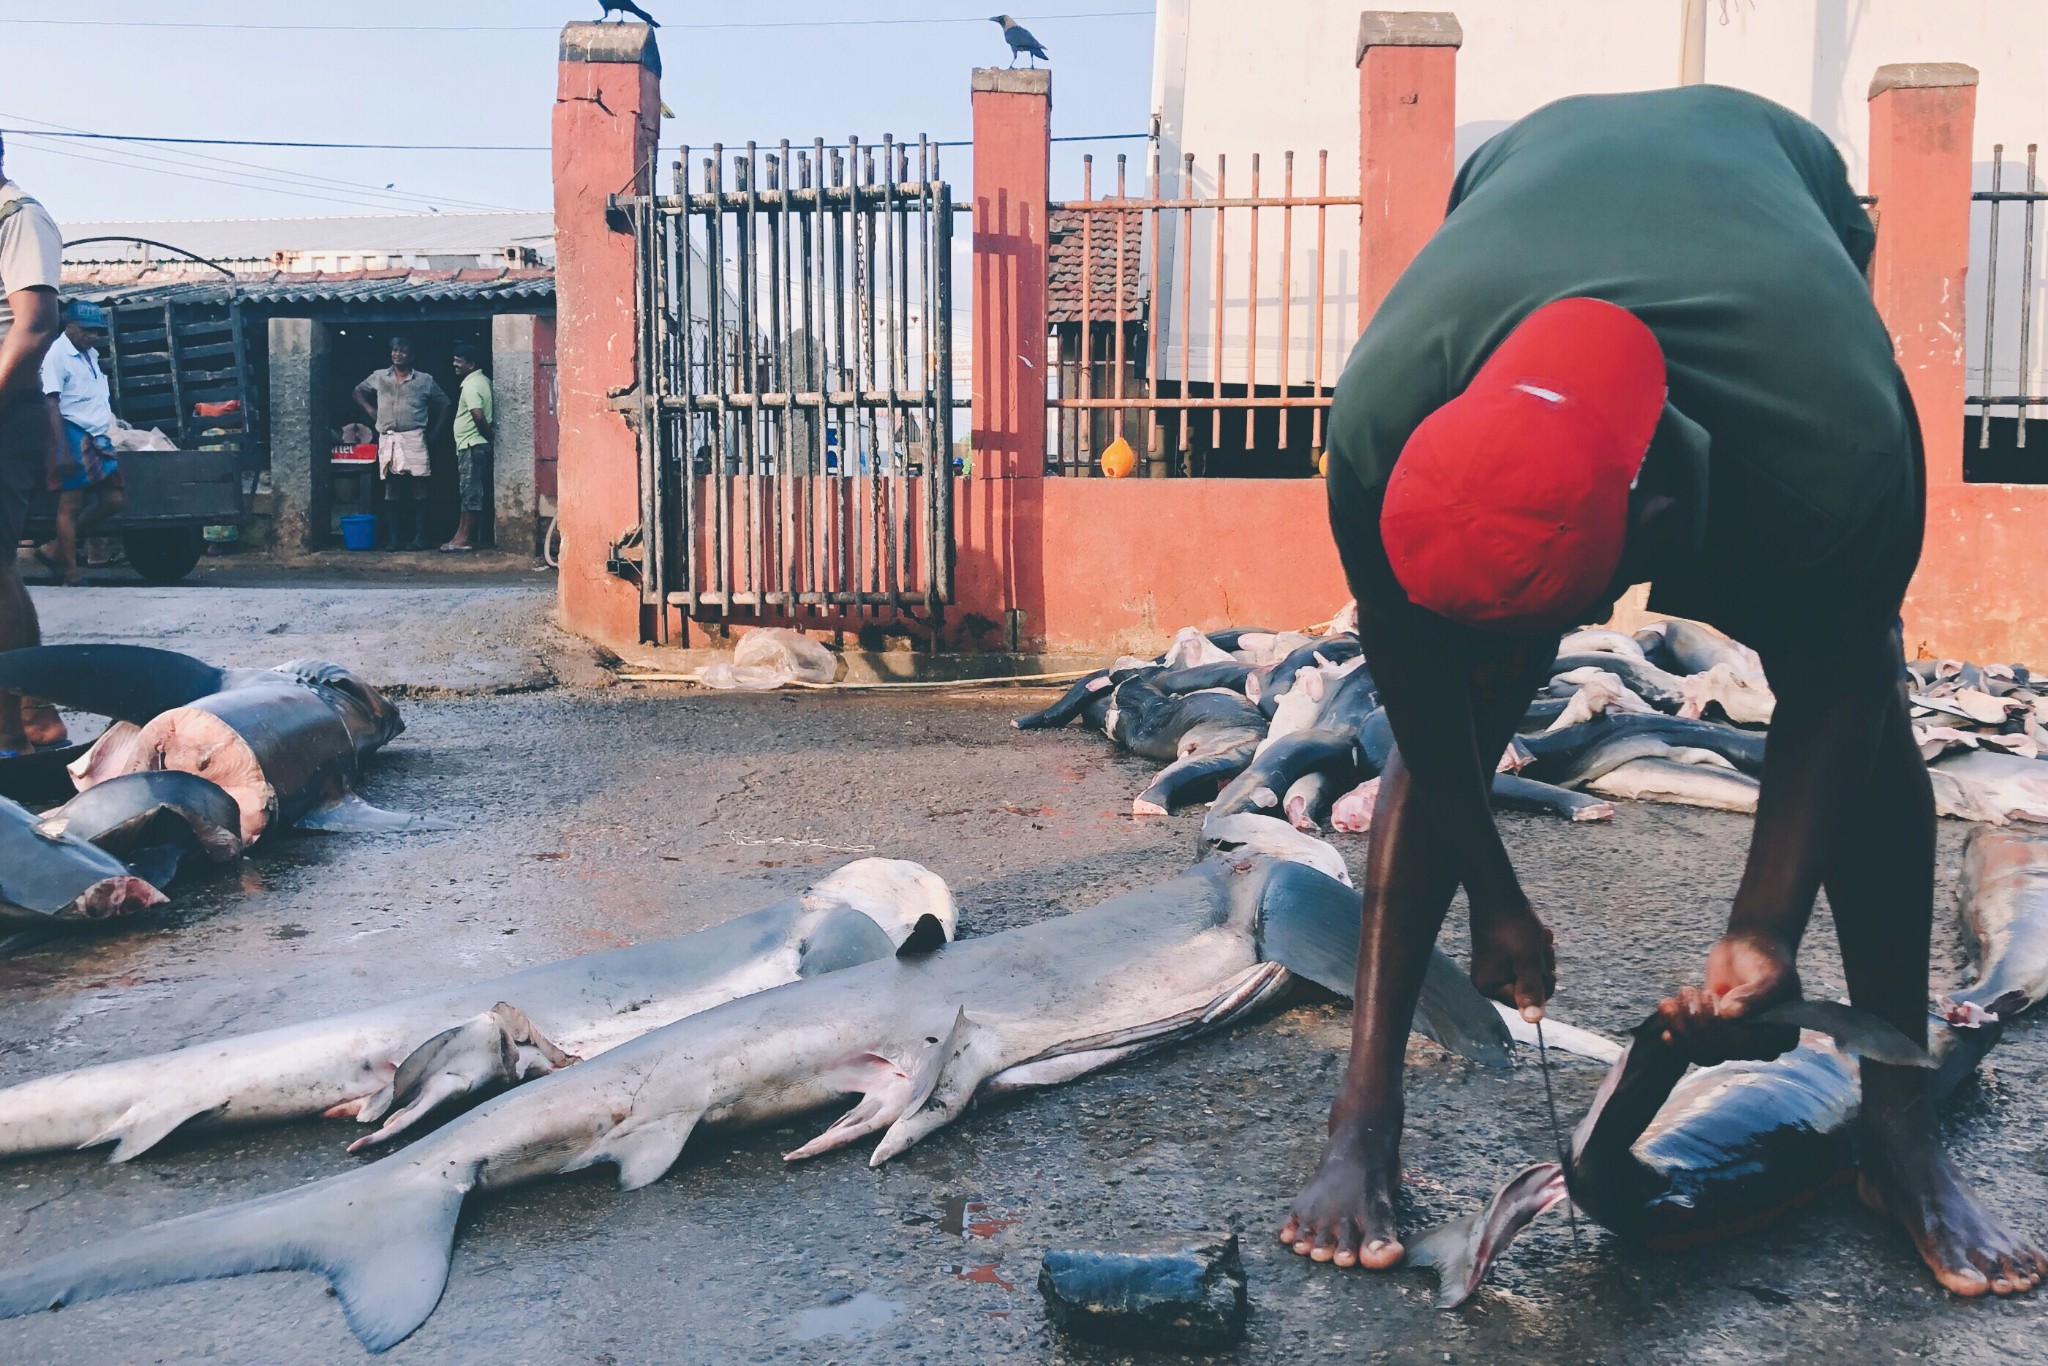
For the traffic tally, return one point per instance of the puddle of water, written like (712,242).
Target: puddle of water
(853,1316)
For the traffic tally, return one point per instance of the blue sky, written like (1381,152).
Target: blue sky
(472,72)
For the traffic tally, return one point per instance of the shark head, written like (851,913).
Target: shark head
(371,718)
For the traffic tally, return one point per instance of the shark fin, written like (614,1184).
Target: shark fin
(643,1153)
(126,682)
(1462,1251)
(844,937)
(141,1128)
(943,1082)
(349,814)
(382,1236)
(1858,1032)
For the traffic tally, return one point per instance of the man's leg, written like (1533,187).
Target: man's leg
(18,630)
(64,549)
(108,497)
(1346,1214)
(1879,875)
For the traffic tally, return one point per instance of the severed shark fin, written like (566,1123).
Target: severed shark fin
(1462,1251)
(126,682)
(349,814)
(1308,923)
(382,1236)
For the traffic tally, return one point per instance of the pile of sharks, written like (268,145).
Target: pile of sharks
(856,991)
(197,763)
(1289,723)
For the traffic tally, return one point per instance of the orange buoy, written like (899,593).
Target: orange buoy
(1118,459)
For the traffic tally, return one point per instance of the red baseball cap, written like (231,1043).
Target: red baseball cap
(1508,506)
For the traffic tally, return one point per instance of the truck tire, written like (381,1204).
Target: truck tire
(164,554)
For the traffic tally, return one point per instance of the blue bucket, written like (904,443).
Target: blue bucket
(359,532)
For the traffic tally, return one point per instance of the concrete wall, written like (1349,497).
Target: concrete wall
(512,376)
(299,423)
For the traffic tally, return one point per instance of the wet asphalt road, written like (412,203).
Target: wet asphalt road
(594,821)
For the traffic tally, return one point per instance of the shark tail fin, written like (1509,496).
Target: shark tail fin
(382,1236)
(1462,1251)
(1309,925)
(126,682)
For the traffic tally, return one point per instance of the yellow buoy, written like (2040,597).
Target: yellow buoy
(1322,464)
(1118,459)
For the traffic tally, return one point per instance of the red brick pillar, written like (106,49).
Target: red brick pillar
(607,114)
(1922,115)
(1407,127)
(1000,578)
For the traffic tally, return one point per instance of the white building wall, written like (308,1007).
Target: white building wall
(1238,78)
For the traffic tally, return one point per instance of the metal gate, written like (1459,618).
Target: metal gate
(795,396)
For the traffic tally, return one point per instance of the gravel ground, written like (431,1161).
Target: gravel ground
(590,821)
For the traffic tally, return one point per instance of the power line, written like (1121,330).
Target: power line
(397,197)
(131,165)
(681,27)
(457,146)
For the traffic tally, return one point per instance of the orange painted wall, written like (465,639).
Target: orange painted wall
(1128,562)
(607,113)
(1982,589)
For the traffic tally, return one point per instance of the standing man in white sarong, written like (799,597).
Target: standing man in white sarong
(408,407)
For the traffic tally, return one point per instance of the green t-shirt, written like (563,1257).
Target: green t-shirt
(475,393)
(1727,224)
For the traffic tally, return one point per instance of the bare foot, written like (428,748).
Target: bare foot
(41,723)
(1346,1215)
(1906,1176)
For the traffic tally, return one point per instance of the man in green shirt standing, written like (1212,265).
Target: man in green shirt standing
(473,437)
(1641,348)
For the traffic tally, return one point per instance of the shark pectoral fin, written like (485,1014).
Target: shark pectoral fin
(943,1082)
(499,1047)
(1308,923)
(1463,1250)
(643,1153)
(349,814)
(1453,1013)
(1858,1032)
(884,1089)
(140,1129)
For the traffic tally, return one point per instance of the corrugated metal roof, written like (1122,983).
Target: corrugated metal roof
(254,239)
(274,288)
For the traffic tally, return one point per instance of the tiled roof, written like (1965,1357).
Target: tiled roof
(1063,265)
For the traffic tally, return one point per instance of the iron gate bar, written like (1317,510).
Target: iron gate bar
(786,520)
(1151,210)
(1998,196)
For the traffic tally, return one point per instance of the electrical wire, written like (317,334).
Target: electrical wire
(680,27)
(231,166)
(467,146)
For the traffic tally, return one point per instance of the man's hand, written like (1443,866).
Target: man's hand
(1512,958)
(1748,972)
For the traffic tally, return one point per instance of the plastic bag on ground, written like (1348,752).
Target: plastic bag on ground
(769,658)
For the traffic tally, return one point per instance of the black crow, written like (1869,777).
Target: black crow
(628,7)
(1019,38)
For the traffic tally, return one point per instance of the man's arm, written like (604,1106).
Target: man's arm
(366,399)
(21,351)
(442,409)
(1442,689)
(1833,693)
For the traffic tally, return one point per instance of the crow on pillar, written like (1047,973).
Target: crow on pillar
(624,7)
(1020,40)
